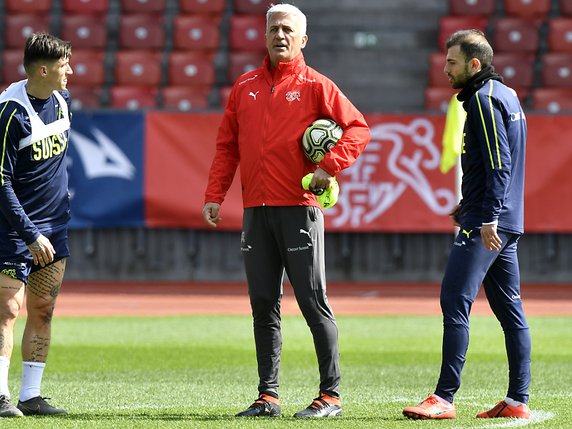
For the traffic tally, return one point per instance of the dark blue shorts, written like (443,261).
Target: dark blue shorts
(17,262)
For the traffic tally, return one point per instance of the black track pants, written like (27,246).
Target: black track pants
(291,239)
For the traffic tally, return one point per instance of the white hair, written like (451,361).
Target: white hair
(287,9)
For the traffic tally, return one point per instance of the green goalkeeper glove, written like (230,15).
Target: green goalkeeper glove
(327,198)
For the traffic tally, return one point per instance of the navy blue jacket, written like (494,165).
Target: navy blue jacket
(493,158)
(34,194)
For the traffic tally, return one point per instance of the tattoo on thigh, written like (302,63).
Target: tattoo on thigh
(47,281)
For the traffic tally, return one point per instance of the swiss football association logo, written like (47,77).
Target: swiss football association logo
(292,95)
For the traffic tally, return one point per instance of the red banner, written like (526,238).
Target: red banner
(395,185)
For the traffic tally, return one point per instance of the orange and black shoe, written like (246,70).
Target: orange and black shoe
(502,409)
(323,406)
(264,406)
(431,408)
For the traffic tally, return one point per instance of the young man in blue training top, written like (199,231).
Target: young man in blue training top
(34,213)
(491,220)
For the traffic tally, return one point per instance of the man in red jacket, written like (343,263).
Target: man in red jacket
(283,225)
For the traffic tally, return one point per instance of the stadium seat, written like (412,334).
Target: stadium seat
(85,97)
(17,28)
(517,69)
(449,24)
(565,7)
(12,66)
(185,98)
(556,70)
(196,32)
(141,32)
(472,7)
(143,6)
(85,31)
(437,77)
(560,35)
(133,97)
(188,68)
(437,99)
(242,62)
(527,8)
(252,7)
(247,33)
(516,35)
(85,6)
(552,100)
(224,93)
(27,6)
(138,67)
(88,67)
(202,7)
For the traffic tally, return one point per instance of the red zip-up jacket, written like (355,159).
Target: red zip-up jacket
(262,127)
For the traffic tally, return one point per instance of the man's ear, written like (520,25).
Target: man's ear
(304,41)
(476,64)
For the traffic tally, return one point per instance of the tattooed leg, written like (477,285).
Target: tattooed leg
(42,290)
(11,299)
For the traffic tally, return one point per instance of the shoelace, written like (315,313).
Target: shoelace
(430,400)
(4,400)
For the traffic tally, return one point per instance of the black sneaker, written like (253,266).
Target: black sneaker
(38,407)
(264,406)
(323,406)
(7,409)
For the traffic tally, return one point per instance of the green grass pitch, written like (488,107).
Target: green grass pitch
(197,371)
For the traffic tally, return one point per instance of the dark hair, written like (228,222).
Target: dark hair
(473,44)
(45,47)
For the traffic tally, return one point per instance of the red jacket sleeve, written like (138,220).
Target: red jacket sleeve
(226,159)
(356,131)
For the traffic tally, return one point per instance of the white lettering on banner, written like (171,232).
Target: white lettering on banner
(102,157)
(362,199)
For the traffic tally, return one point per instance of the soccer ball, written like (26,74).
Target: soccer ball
(319,138)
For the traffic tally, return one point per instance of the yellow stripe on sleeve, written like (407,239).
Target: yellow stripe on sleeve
(494,124)
(485,130)
(4,141)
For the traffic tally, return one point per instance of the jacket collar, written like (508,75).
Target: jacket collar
(295,66)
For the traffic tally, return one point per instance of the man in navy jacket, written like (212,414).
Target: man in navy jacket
(491,220)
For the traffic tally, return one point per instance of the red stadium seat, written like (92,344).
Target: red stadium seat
(141,32)
(560,35)
(242,62)
(565,7)
(437,99)
(85,31)
(17,28)
(12,66)
(27,6)
(138,67)
(472,7)
(252,7)
(88,67)
(449,24)
(552,100)
(202,7)
(187,68)
(85,6)
(133,97)
(224,93)
(247,33)
(516,35)
(196,33)
(185,98)
(517,69)
(437,77)
(143,6)
(527,8)
(85,97)
(557,70)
